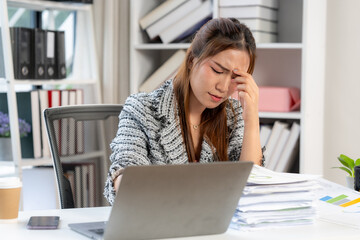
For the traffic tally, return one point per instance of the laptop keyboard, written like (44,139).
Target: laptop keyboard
(99,231)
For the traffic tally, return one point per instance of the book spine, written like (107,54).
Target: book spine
(44,103)
(36,126)
(71,125)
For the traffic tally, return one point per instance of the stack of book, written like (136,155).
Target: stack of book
(259,15)
(31,105)
(166,71)
(273,199)
(82,178)
(282,145)
(176,20)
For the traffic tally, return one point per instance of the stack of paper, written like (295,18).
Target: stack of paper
(273,199)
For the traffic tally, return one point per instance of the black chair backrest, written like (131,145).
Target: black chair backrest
(79,151)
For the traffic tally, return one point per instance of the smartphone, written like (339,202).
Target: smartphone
(43,222)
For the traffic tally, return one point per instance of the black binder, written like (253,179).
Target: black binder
(21,44)
(50,60)
(39,53)
(60,55)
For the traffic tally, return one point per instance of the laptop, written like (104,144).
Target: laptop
(169,201)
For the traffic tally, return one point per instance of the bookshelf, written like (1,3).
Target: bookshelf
(84,75)
(290,61)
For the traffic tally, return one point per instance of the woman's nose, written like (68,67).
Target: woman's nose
(223,84)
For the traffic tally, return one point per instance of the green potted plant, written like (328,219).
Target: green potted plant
(348,166)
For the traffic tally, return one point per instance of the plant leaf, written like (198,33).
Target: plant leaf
(357,162)
(344,157)
(345,169)
(343,162)
(350,162)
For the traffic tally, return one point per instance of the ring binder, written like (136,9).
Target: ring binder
(60,54)
(50,55)
(39,53)
(21,45)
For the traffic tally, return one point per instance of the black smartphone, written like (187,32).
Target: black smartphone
(43,222)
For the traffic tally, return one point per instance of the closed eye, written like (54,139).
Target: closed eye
(216,71)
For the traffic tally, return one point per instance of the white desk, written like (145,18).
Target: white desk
(17,230)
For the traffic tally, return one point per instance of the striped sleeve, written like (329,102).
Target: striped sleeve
(130,146)
(236,132)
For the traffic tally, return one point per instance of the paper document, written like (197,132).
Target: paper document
(338,204)
(279,197)
(283,188)
(261,175)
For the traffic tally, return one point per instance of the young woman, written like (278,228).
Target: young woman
(191,118)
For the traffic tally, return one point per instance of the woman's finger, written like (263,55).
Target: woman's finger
(247,88)
(247,78)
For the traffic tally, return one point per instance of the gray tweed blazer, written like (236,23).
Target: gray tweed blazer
(149,133)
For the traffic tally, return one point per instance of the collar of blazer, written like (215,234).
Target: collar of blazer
(170,132)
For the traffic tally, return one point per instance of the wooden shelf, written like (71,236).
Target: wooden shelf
(160,46)
(280,115)
(279,46)
(7,168)
(25,162)
(84,73)
(30,162)
(55,82)
(82,157)
(40,5)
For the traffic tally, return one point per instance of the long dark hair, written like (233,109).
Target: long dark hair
(214,37)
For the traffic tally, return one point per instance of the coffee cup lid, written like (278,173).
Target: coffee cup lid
(10,182)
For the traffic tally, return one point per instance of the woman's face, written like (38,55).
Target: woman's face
(210,80)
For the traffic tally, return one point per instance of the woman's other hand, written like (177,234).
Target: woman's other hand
(248,95)
(117,181)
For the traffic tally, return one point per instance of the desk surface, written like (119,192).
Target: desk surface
(17,230)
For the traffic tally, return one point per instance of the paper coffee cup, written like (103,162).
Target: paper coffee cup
(10,189)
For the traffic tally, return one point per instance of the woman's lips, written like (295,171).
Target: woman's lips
(215,98)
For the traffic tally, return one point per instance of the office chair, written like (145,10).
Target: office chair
(80,151)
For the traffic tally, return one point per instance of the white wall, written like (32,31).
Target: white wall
(342,86)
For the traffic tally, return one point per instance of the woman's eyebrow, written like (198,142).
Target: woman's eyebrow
(221,66)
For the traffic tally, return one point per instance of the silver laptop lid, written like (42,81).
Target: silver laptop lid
(176,200)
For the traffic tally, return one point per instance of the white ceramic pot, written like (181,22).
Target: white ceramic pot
(350,182)
(5,149)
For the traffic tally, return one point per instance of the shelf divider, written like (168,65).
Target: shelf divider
(280,115)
